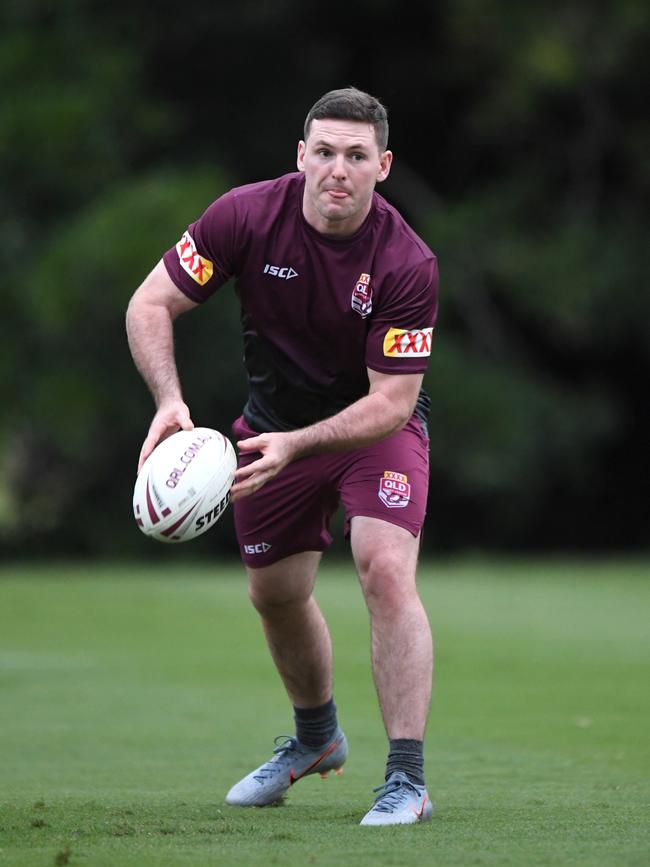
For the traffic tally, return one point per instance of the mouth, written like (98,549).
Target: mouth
(337,194)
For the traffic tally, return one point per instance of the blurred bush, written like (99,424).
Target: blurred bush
(521,140)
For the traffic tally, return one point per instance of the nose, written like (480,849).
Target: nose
(338,169)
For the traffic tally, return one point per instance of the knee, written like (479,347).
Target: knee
(388,584)
(273,601)
(282,588)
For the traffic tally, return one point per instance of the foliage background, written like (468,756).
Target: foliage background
(521,137)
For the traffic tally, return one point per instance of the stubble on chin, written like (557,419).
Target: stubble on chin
(335,213)
(334,216)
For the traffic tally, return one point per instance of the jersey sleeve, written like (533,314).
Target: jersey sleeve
(401,328)
(205,257)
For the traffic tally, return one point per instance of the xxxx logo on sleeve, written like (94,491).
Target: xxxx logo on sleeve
(394,490)
(399,341)
(197,267)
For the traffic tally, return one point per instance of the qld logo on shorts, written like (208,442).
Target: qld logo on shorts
(362,296)
(400,342)
(394,490)
(197,267)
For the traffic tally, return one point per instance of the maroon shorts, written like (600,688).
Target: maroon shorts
(291,513)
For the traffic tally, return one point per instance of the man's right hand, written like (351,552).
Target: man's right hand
(169,418)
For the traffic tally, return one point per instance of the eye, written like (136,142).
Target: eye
(323,152)
(358,157)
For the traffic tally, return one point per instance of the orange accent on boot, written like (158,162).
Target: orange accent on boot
(419,813)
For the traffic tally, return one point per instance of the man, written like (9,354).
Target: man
(338,300)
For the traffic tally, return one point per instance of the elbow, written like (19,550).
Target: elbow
(404,416)
(396,397)
(398,413)
(135,302)
(131,315)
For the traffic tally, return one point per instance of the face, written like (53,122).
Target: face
(342,164)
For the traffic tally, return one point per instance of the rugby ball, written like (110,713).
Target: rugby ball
(183,487)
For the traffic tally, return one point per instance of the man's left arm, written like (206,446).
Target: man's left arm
(386,408)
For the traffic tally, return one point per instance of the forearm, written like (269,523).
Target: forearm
(151,341)
(368,420)
(383,411)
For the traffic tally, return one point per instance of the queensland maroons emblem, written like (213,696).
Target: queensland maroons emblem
(394,490)
(362,296)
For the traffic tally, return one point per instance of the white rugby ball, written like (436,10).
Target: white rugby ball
(183,487)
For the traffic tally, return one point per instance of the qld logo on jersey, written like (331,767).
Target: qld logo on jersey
(394,490)
(400,342)
(197,267)
(362,296)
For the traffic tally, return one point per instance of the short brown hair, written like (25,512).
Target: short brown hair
(348,103)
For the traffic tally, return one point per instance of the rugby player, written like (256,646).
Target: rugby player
(338,301)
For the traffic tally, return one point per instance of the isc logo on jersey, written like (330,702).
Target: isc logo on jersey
(400,342)
(197,267)
(284,272)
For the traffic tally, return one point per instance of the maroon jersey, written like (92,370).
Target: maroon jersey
(316,310)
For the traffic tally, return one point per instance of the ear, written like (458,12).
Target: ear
(301,156)
(385,162)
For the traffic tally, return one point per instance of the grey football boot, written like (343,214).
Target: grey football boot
(291,762)
(400,802)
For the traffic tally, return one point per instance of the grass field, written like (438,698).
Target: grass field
(131,699)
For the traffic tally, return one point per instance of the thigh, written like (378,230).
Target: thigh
(389,480)
(288,515)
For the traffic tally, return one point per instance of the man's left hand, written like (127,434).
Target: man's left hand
(276,450)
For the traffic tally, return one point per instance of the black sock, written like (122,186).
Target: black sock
(315,725)
(406,755)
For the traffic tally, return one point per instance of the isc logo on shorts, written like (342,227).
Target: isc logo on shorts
(399,342)
(394,490)
(260,548)
(197,267)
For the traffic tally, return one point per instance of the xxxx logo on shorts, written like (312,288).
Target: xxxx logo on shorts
(394,490)
(197,267)
(399,341)
(362,296)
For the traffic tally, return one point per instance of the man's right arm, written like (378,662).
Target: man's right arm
(149,326)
